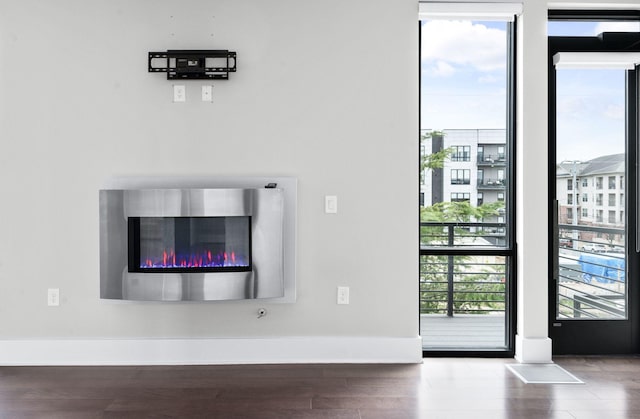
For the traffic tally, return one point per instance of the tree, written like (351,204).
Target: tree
(460,211)
(434,160)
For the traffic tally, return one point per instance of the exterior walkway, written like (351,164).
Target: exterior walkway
(482,331)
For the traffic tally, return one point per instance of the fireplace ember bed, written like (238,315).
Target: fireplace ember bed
(189,244)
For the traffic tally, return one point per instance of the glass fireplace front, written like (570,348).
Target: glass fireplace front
(189,244)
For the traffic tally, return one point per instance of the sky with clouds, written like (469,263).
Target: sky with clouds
(463,74)
(464,86)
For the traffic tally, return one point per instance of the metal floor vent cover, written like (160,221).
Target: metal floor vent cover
(543,374)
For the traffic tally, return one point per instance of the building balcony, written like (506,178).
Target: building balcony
(463,297)
(485,159)
(491,184)
(463,331)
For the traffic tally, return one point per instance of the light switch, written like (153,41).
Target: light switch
(53,297)
(331,204)
(207,93)
(343,295)
(179,93)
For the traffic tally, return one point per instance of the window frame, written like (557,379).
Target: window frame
(466,196)
(464,180)
(509,250)
(464,156)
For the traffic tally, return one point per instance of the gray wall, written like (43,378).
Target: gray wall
(325,92)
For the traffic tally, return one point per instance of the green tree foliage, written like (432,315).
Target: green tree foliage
(461,211)
(479,285)
(436,160)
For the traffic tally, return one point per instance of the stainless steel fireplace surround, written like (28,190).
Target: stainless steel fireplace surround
(141,258)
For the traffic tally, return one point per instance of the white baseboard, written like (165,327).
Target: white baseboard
(284,350)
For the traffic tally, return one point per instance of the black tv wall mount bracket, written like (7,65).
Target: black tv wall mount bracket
(193,64)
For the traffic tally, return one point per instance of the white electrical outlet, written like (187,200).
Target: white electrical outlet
(179,93)
(53,297)
(343,295)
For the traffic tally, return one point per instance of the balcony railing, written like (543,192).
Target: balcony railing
(491,183)
(454,285)
(485,159)
(479,235)
(462,284)
(590,268)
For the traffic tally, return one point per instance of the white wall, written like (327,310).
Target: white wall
(325,91)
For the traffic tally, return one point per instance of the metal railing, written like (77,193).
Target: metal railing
(491,183)
(438,234)
(490,159)
(590,271)
(462,283)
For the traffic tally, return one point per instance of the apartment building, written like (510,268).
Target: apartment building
(592,193)
(474,170)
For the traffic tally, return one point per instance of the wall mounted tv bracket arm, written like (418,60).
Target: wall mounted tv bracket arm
(193,64)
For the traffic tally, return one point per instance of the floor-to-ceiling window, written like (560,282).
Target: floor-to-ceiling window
(466,174)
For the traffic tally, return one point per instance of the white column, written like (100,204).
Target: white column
(532,340)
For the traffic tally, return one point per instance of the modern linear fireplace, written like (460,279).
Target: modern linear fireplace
(191,244)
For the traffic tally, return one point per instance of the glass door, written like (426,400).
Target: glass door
(593,136)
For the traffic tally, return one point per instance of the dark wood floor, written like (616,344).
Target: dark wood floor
(438,388)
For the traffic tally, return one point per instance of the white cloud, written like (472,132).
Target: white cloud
(615,112)
(488,79)
(441,69)
(589,110)
(463,112)
(617,27)
(572,107)
(463,43)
